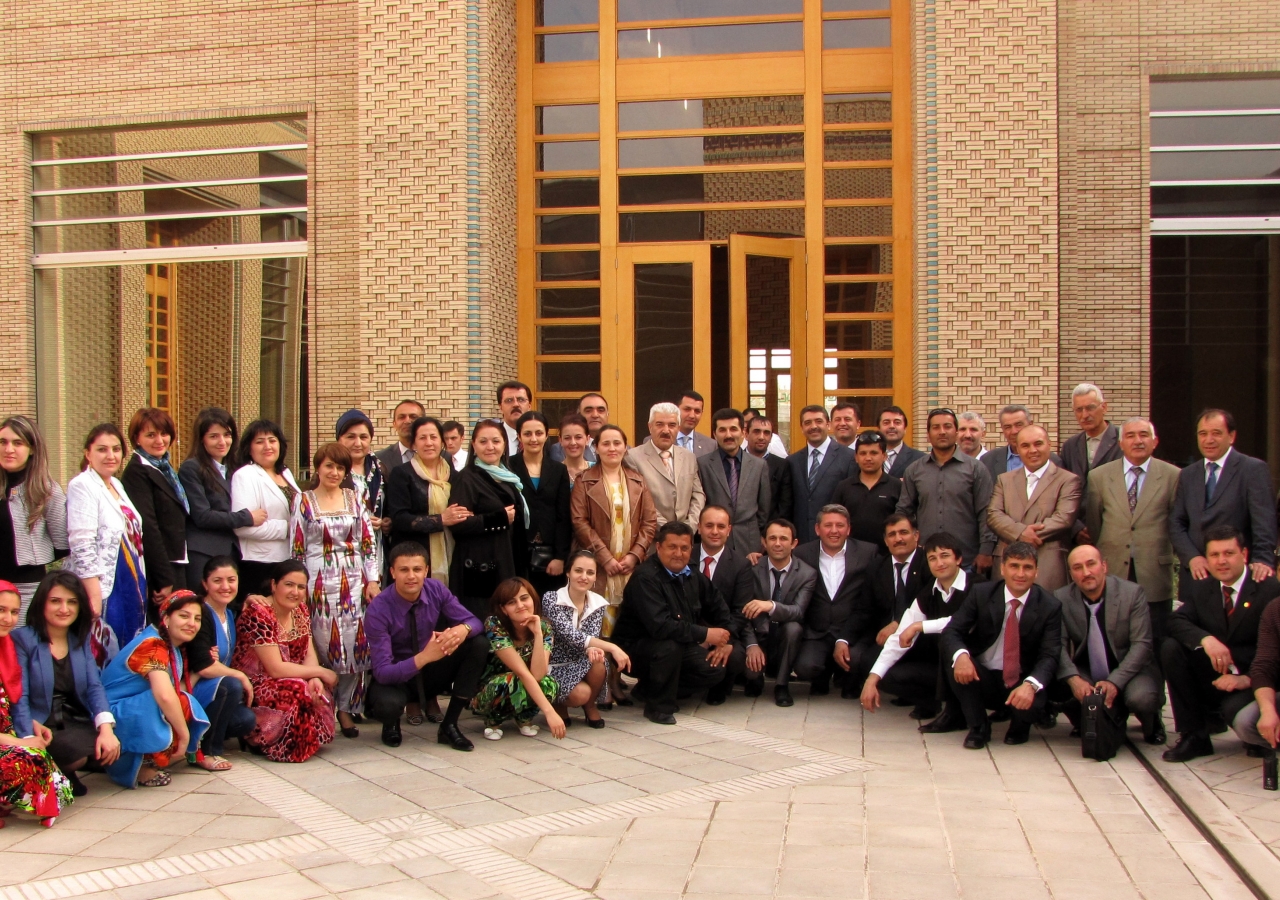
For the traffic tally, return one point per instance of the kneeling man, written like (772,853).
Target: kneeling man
(775,626)
(1002,646)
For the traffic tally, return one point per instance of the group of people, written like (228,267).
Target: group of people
(220,600)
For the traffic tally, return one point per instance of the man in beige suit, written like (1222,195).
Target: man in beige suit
(1127,515)
(671,472)
(1037,503)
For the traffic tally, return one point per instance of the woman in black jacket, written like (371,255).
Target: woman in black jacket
(152,484)
(418,497)
(546,490)
(205,475)
(490,545)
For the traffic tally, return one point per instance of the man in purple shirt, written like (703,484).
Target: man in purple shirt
(422,642)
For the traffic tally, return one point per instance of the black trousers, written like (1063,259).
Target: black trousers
(228,716)
(1191,676)
(459,673)
(916,676)
(736,665)
(1159,611)
(989,692)
(667,669)
(816,661)
(781,646)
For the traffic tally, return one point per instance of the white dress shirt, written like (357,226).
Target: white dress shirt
(892,651)
(1221,461)
(406,453)
(459,460)
(994,657)
(513,439)
(1033,478)
(1129,476)
(822,454)
(831,568)
(714,557)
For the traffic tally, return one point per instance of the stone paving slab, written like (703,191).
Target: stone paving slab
(741,800)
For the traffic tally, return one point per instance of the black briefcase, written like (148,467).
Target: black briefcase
(1100,733)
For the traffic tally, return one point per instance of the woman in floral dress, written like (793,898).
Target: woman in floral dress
(517,681)
(29,779)
(274,648)
(333,536)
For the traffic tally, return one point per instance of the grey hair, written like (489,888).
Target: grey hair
(1085,387)
(663,409)
(836,509)
(970,416)
(1017,408)
(1144,421)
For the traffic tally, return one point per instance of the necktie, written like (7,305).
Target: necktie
(777,586)
(733,480)
(813,467)
(1133,488)
(666,461)
(1098,668)
(899,581)
(1228,604)
(706,566)
(1212,484)
(1032,481)
(1012,646)
(888,460)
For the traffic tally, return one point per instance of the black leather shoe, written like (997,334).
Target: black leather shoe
(1157,734)
(449,734)
(946,723)
(1048,720)
(716,696)
(1253,751)
(782,696)
(660,718)
(391,733)
(754,688)
(1189,746)
(1217,724)
(901,701)
(848,693)
(820,687)
(1000,715)
(1018,733)
(976,740)
(923,711)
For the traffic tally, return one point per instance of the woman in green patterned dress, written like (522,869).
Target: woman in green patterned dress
(517,683)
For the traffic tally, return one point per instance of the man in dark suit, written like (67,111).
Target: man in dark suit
(1212,639)
(759,438)
(842,591)
(815,471)
(1098,441)
(893,425)
(730,573)
(870,494)
(1002,647)
(1106,646)
(1224,488)
(401,452)
(1013,418)
(774,626)
(733,478)
(663,604)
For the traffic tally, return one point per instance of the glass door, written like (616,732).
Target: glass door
(767,328)
(663,327)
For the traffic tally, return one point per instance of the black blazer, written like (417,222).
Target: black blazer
(548,504)
(164,521)
(906,456)
(407,502)
(976,625)
(211,522)
(487,548)
(734,579)
(1243,499)
(836,466)
(1075,452)
(780,493)
(919,579)
(656,606)
(1203,613)
(829,617)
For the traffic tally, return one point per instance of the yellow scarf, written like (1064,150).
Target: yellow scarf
(439,543)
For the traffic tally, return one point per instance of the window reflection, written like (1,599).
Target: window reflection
(858,184)
(1191,131)
(573,265)
(859,221)
(569,229)
(1218,164)
(568,156)
(775,37)
(710,187)
(859,297)
(571,46)
(859,259)
(859,335)
(653,10)
(566,12)
(558,192)
(848,146)
(582,118)
(712,150)
(851,34)
(568,303)
(726,112)
(852,109)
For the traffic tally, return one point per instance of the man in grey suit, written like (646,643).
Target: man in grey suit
(775,626)
(893,425)
(1106,646)
(1224,488)
(736,480)
(1013,418)
(401,452)
(671,472)
(1098,441)
(816,471)
(1127,507)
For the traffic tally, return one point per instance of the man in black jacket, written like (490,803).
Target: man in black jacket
(659,626)
(1211,641)
(730,574)
(1002,648)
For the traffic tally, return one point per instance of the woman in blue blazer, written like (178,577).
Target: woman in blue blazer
(62,690)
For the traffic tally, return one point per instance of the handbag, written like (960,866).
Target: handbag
(269,728)
(1100,733)
(540,556)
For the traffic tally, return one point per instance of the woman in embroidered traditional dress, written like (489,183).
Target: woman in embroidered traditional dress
(274,649)
(355,432)
(148,686)
(29,779)
(516,683)
(104,530)
(576,614)
(333,535)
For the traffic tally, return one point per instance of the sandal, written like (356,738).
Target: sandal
(213,764)
(415,718)
(434,714)
(160,779)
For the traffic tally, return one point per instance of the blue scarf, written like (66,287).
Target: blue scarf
(502,473)
(162,463)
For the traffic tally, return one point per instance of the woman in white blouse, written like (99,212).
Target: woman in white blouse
(104,530)
(263,482)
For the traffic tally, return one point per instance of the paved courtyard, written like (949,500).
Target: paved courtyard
(742,800)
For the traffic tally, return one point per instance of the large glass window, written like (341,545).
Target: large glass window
(707,40)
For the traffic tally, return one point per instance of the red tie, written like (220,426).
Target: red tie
(1012,646)
(1227,603)
(706,566)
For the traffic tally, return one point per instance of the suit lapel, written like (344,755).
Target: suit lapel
(1018,504)
(1050,474)
(655,460)
(717,472)
(1112,612)
(1228,473)
(1104,446)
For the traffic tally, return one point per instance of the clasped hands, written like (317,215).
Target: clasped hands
(1020,698)
(444,643)
(1220,658)
(718,646)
